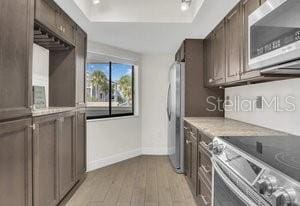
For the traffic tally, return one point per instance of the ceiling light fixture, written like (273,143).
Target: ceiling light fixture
(185,4)
(96,1)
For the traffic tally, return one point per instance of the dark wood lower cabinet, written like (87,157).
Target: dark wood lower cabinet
(80,144)
(16,163)
(45,163)
(66,156)
(54,157)
(191,157)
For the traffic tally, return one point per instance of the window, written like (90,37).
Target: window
(109,90)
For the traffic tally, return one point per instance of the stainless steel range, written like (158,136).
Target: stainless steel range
(256,171)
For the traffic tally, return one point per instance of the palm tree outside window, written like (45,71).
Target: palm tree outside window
(109,90)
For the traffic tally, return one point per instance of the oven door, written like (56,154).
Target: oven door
(225,192)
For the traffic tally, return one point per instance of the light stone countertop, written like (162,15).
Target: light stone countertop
(51,110)
(219,126)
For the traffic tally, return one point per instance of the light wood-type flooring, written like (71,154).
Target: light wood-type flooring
(141,181)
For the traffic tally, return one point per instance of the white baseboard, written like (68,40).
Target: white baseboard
(112,159)
(97,164)
(154,151)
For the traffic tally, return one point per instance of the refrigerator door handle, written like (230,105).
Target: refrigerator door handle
(168,103)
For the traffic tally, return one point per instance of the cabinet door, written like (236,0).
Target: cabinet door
(46,161)
(233,45)
(248,6)
(66,27)
(187,153)
(219,54)
(80,144)
(16,162)
(45,13)
(208,61)
(81,40)
(67,153)
(16,42)
(194,162)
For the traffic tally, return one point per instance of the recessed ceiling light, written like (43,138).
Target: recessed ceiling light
(185,4)
(96,1)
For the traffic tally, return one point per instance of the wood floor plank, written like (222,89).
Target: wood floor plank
(141,181)
(138,195)
(128,184)
(164,192)
(151,197)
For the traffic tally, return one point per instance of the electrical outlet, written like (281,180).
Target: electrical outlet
(259,102)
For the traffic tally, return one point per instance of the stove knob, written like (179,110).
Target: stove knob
(266,185)
(282,197)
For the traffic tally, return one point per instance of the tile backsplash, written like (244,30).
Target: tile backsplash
(274,105)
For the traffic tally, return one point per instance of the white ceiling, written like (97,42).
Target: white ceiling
(146,28)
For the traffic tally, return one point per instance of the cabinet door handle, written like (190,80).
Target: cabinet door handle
(188,141)
(210,80)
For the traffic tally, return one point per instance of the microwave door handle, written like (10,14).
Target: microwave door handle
(231,185)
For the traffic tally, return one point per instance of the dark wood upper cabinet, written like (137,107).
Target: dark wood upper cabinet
(219,54)
(80,144)
(81,48)
(48,14)
(16,29)
(247,7)
(67,152)
(208,61)
(234,49)
(16,163)
(45,163)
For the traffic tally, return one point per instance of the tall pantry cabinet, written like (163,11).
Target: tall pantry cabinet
(42,153)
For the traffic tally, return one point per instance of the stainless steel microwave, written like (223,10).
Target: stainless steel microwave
(274,37)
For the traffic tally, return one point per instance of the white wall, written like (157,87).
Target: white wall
(270,118)
(40,69)
(154,85)
(115,139)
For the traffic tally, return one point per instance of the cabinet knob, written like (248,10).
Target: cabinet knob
(210,80)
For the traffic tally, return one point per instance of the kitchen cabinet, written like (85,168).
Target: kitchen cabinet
(208,61)
(16,28)
(191,157)
(234,49)
(66,27)
(80,144)
(16,163)
(81,48)
(66,155)
(45,162)
(54,157)
(219,52)
(247,7)
(48,14)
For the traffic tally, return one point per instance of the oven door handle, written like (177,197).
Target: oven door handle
(231,185)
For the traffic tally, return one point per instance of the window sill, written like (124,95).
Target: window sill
(113,118)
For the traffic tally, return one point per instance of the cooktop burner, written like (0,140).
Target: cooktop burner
(279,152)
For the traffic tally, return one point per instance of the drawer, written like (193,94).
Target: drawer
(204,191)
(205,164)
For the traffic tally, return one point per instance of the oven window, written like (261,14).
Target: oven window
(278,29)
(223,196)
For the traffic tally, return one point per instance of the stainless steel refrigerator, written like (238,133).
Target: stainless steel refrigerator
(175,112)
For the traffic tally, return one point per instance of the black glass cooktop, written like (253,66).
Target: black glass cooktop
(280,152)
